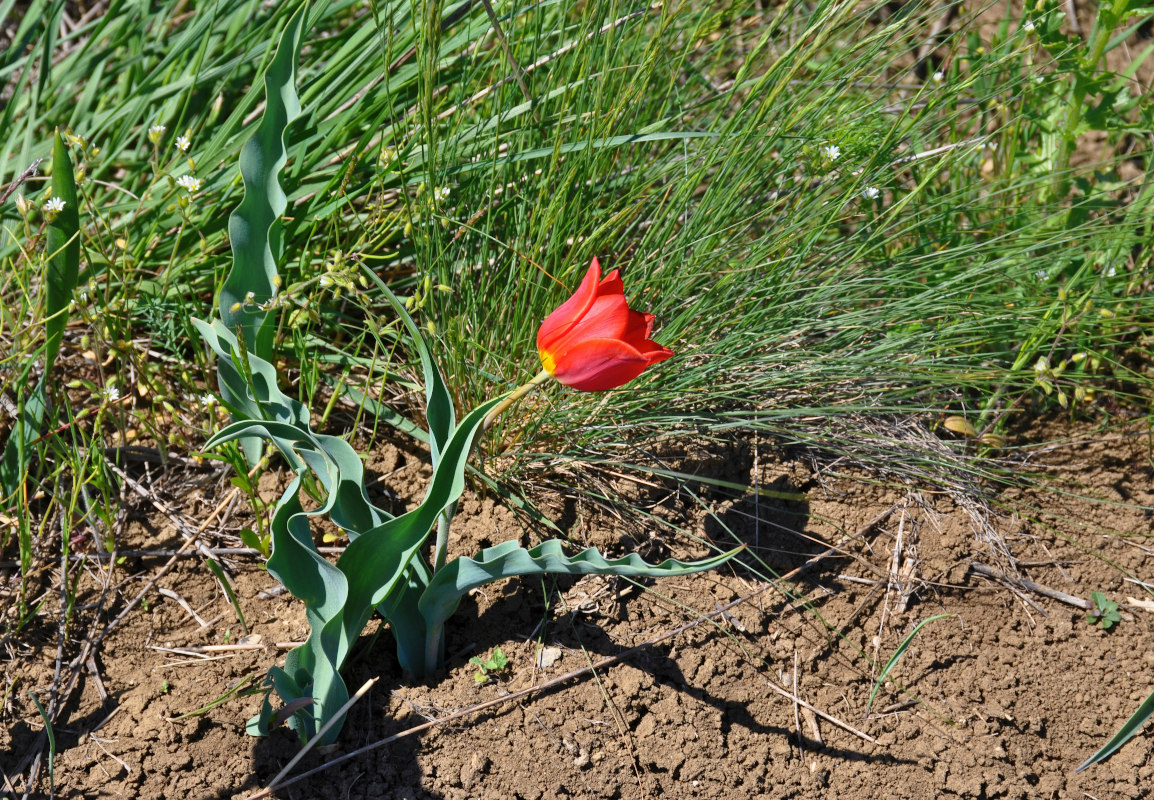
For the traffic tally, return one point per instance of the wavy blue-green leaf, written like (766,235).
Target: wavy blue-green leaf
(376,564)
(380,567)
(1132,726)
(254,228)
(260,400)
(509,559)
(314,580)
(405,621)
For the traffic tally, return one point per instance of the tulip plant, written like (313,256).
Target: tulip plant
(592,342)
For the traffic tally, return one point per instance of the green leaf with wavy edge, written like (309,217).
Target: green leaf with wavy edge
(254,228)
(260,399)
(376,553)
(897,656)
(509,559)
(62,243)
(340,598)
(1136,721)
(332,459)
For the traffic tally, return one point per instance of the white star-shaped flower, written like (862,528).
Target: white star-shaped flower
(189,183)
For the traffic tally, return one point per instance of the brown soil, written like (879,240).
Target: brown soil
(1004,698)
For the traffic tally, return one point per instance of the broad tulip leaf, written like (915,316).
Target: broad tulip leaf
(375,560)
(405,621)
(380,567)
(254,227)
(508,559)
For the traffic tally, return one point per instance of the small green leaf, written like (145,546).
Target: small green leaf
(897,656)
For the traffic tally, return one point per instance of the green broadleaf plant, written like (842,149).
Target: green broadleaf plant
(383,568)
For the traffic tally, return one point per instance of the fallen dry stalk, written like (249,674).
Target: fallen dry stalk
(1028,585)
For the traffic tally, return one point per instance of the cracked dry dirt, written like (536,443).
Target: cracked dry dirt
(1004,698)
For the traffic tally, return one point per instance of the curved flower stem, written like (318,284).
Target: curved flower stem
(439,553)
(513,397)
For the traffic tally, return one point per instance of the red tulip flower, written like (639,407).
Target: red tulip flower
(594,341)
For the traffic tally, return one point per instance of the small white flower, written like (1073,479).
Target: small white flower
(1041,275)
(870,192)
(1111,271)
(54,204)
(183,143)
(831,151)
(326,281)
(1028,26)
(208,400)
(111,394)
(441,193)
(155,133)
(939,76)
(189,183)
(1039,79)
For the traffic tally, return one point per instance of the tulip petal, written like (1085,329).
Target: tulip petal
(569,313)
(594,365)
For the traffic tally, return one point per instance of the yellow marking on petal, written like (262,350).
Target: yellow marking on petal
(547,361)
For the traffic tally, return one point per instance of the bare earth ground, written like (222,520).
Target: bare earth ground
(1002,699)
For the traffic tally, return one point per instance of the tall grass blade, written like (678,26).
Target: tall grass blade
(62,269)
(51,741)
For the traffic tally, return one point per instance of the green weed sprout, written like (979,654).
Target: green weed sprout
(592,342)
(487,667)
(1104,612)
